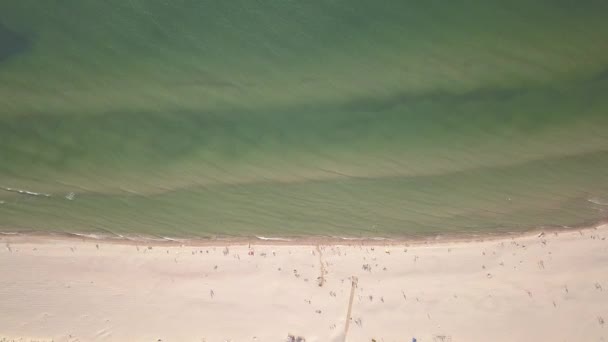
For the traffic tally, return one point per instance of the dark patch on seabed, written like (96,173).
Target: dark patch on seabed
(389,103)
(11,43)
(601,76)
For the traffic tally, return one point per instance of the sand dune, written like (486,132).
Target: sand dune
(547,287)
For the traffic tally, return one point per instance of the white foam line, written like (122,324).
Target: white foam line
(597,201)
(173,239)
(347,238)
(272,238)
(89,236)
(26,192)
(361,238)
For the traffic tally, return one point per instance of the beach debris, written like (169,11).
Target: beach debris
(70,196)
(332,293)
(541,234)
(442,338)
(598,286)
(566,288)
(226,251)
(215,267)
(404,296)
(294,338)
(367,267)
(489,275)
(318,311)
(211,293)
(296,274)
(541,265)
(600,320)
(250,252)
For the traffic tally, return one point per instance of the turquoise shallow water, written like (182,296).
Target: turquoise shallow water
(350,118)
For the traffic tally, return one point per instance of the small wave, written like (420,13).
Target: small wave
(272,238)
(26,192)
(345,238)
(89,236)
(379,239)
(598,201)
(174,239)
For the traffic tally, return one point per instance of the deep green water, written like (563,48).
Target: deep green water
(359,118)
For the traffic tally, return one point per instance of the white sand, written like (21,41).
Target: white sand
(531,288)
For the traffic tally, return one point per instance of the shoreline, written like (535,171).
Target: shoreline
(421,239)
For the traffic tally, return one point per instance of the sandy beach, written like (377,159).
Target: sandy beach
(536,287)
